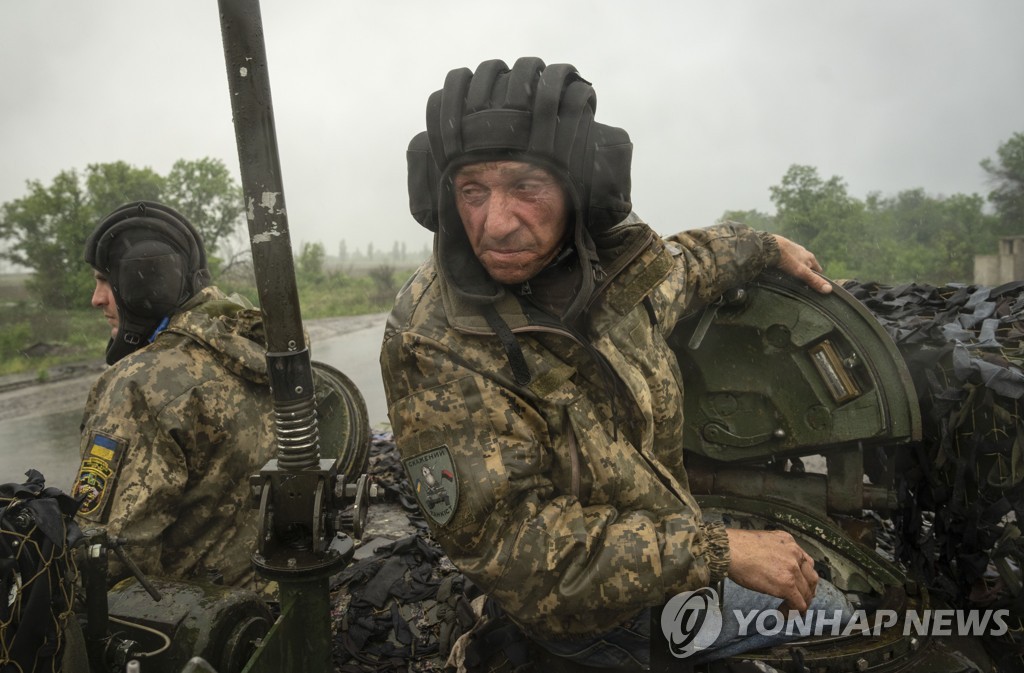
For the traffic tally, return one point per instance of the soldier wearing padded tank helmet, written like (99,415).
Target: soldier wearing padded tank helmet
(173,429)
(527,370)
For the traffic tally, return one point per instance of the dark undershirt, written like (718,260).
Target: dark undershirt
(555,286)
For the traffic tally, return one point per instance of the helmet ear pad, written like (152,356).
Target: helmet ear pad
(150,280)
(423,182)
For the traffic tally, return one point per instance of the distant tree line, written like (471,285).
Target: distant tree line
(911,236)
(45,230)
(399,254)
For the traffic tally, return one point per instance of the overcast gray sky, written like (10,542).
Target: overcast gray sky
(720,97)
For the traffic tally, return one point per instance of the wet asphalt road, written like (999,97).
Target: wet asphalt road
(39,424)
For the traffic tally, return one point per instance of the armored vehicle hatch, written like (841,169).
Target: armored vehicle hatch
(775,373)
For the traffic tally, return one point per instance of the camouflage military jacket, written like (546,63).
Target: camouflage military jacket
(566,498)
(170,436)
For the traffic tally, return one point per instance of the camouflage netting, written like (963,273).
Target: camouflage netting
(385,467)
(400,608)
(961,489)
(37,573)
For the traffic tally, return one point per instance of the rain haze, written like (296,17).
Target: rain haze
(720,98)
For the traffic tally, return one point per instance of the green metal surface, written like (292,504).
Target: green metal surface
(786,371)
(220,624)
(343,420)
(776,370)
(295,642)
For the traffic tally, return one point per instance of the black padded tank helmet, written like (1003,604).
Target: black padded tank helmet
(530,112)
(155,262)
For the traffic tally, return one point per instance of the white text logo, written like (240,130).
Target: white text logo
(916,622)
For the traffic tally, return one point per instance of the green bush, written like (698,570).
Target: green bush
(80,335)
(334,293)
(14,338)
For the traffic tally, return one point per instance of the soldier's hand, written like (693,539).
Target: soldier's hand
(799,262)
(771,562)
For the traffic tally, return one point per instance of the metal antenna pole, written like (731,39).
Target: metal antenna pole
(297,547)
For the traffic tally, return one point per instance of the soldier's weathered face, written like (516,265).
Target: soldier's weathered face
(515,217)
(103,299)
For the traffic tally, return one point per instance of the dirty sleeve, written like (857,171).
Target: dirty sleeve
(710,261)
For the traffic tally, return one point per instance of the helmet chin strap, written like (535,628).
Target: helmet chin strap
(132,334)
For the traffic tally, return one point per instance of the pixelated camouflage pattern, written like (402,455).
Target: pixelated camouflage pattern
(194,410)
(572,523)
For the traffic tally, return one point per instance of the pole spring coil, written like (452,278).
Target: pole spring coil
(298,434)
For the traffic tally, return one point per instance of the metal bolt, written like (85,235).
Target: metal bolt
(292,345)
(298,390)
(914,644)
(292,563)
(736,296)
(862,664)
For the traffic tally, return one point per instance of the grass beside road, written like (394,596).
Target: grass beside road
(36,339)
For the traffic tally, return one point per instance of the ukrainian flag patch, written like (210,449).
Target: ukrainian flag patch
(96,475)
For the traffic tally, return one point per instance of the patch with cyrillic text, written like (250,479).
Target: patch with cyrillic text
(433,479)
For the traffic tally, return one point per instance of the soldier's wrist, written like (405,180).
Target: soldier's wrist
(770,246)
(716,551)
